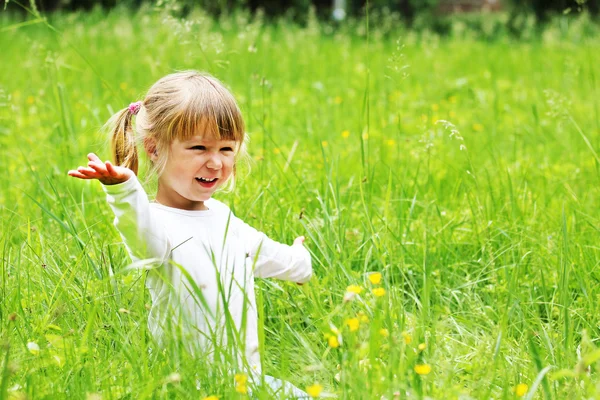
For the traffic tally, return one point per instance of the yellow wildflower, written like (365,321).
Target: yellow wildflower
(477,127)
(324,143)
(375,278)
(422,346)
(422,369)
(354,289)
(123,85)
(391,142)
(521,389)
(276,150)
(333,342)
(353,324)
(378,292)
(338,100)
(345,134)
(213,397)
(407,338)
(435,107)
(384,332)
(314,390)
(30,100)
(240,383)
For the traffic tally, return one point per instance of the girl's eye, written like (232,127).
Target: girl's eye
(199,148)
(226,149)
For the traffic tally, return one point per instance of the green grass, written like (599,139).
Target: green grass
(487,238)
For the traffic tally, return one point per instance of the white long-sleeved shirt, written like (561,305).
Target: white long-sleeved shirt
(202,280)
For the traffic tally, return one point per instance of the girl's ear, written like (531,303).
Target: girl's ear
(150,147)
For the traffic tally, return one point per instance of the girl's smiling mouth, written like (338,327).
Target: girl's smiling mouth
(207,182)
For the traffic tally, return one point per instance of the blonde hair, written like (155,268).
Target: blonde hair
(178,106)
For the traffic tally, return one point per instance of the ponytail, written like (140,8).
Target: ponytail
(122,140)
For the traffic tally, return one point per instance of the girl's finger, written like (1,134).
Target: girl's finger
(93,157)
(99,168)
(87,171)
(110,168)
(79,175)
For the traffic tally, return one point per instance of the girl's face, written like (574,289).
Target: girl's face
(195,169)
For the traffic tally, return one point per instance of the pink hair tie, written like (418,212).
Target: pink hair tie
(135,107)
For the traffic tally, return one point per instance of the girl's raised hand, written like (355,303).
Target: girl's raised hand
(105,172)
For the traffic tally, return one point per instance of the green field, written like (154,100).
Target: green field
(485,229)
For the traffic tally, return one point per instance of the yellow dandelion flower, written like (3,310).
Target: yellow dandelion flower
(423,369)
(521,389)
(363,318)
(384,332)
(477,127)
(422,346)
(241,378)
(407,338)
(333,342)
(338,100)
(354,289)
(452,99)
(123,85)
(365,136)
(30,100)
(345,134)
(391,142)
(375,278)
(378,292)
(353,324)
(435,107)
(213,397)
(314,390)
(324,143)
(276,150)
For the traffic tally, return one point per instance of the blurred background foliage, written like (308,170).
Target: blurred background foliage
(513,16)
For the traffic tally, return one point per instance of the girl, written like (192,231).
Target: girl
(204,258)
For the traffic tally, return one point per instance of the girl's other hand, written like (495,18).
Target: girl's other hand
(105,172)
(299,240)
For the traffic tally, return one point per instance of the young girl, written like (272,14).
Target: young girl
(205,258)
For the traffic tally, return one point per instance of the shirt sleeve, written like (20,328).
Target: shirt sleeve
(144,236)
(273,259)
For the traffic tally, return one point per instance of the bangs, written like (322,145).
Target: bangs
(212,114)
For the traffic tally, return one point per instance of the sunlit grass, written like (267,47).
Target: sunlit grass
(448,190)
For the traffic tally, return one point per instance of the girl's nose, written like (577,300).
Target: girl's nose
(215,162)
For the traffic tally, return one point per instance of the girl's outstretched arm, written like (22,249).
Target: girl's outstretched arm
(143,235)
(274,259)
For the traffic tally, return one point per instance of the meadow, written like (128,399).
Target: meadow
(446,187)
